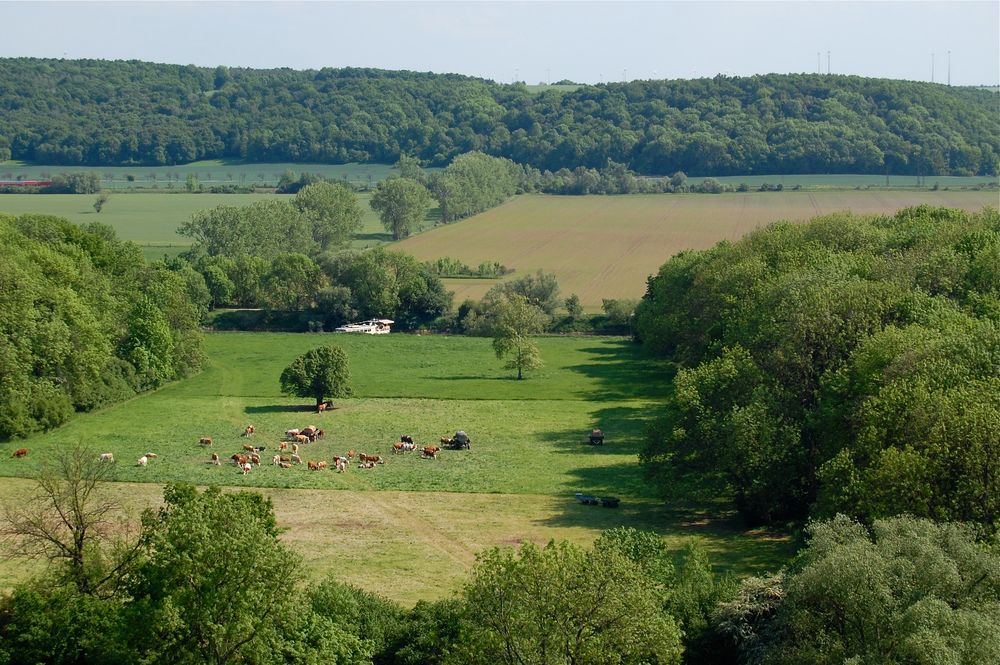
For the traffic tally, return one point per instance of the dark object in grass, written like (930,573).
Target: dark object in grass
(587,499)
(596,437)
(610,501)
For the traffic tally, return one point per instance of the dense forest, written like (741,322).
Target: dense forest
(85,321)
(87,112)
(848,365)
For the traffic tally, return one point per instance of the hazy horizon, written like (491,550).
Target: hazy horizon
(534,42)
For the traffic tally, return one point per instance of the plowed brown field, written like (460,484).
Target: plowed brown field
(606,246)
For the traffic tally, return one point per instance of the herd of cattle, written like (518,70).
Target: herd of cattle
(288,449)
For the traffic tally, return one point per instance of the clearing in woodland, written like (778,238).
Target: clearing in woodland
(379,527)
(606,246)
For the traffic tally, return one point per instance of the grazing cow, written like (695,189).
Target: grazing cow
(284,458)
(246,468)
(249,448)
(239,459)
(322,464)
(20,452)
(406,438)
(282,446)
(429,451)
(320,433)
(397,448)
(295,447)
(321,407)
(291,433)
(205,440)
(248,431)
(107,457)
(296,459)
(313,466)
(152,455)
(285,465)
(366,465)
(142,461)
(276,459)
(308,430)
(301,438)
(215,459)
(255,458)
(377,459)
(341,464)
(350,454)
(445,441)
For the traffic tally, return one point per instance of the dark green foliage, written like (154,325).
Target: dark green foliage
(84,321)
(909,591)
(474,182)
(425,635)
(564,604)
(319,374)
(56,112)
(401,204)
(382,284)
(845,365)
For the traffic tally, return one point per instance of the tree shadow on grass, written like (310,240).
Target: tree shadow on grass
(280,408)
(624,370)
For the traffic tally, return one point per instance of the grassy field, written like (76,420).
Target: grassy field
(209,172)
(606,246)
(378,528)
(151,220)
(850,181)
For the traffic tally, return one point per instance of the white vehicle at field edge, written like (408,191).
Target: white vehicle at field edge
(370,327)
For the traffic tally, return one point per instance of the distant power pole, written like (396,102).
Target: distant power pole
(827,62)
(625,75)
(932,67)
(949,69)
(819,63)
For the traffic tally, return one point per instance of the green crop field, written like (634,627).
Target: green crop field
(379,527)
(209,172)
(850,181)
(606,246)
(151,219)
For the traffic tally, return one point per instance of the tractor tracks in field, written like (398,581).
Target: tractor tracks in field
(408,518)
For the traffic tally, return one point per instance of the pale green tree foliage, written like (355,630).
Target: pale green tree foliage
(264,228)
(332,210)
(401,204)
(319,373)
(906,591)
(215,588)
(514,321)
(563,604)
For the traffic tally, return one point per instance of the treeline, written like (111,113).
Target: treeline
(847,365)
(85,321)
(907,591)
(293,257)
(115,113)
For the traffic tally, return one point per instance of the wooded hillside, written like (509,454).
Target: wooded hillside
(108,113)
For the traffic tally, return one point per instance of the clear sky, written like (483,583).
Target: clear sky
(589,42)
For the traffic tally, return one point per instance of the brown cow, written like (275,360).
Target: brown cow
(285,465)
(290,433)
(296,459)
(255,458)
(429,451)
(321,407)
(248,431)
(301,438)
(320,433)
(249,448)
(240,459)
(215,459)
(282,446)
(350,454)
(322,464)
(376,459)
(205,440)
(341,464)
(313,466)
(20,452)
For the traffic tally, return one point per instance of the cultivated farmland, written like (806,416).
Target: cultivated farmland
(516,482)
(606,246)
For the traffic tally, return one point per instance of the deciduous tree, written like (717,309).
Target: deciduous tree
(319,373)
(401,204)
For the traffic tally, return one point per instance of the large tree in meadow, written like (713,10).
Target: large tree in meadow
(319,373)
(514,321)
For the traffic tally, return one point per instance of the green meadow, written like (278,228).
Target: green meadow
(208,172)
(151,219)
(529,452)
